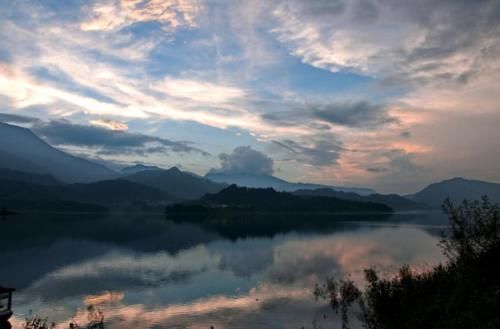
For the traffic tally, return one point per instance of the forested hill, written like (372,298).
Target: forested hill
(270,200)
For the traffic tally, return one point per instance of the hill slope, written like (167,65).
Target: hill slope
(137,168)
(34,178)
(29,196)
(176,183)
(271,200)
(267,181)
(394,201)
(457,189)
(20,149)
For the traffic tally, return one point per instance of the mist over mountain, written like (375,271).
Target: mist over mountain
(264,181)
(21,149)
(457,189)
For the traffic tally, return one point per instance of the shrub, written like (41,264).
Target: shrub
(462,293)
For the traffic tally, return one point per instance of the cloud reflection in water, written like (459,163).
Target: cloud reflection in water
(248,282)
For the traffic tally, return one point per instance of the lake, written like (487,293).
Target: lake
(146,271)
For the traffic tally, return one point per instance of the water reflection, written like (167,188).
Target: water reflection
(149,272)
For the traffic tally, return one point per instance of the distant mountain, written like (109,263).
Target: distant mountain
(31,196)
(177,183)
(137,168)
(264,181)
(457,189)
(267,199)
(394,201)
(34,178)
(117,191)
(20,149)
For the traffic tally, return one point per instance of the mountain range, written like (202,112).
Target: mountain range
(175,182)
(235,198)
(457,190)
(22,150)
(394,201)
(27,191)
(33,171)
(137,168)
(264,181)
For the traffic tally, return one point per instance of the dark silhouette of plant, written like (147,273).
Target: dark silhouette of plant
(35,322)
(474,229)
(462,293)
(95,318)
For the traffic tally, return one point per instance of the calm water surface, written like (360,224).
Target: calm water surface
(145,271)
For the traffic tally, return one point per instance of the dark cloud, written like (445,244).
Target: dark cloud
(284,118)
(245,160)
(365,11)
(321,153)
(319,126)
(328,8)
(143,151)
(353,114)
(402,172)
(14,118)
(350,114)
(405,134)
(376,169)
(107,141)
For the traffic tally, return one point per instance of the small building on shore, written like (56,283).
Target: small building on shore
(5,306)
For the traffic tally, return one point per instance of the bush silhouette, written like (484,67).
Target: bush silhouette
(462,293)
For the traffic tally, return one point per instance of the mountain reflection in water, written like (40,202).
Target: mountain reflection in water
(146,271)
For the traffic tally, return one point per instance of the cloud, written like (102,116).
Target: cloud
(108,141)
(405,134)
(376,169)
(118,14)
(93,75)
(354,114)
(245,160)
(110,124)
(319,153)
(199,91)
(405,65)
(399,169)
(117,269)
(396,39)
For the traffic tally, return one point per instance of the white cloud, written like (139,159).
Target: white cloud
(390,39)
(200,91)
(245,160)
(110,124)
(117,14)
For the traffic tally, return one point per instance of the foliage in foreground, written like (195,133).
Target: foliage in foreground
(462,293)
(95,321)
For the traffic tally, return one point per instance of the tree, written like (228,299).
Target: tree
(462,293)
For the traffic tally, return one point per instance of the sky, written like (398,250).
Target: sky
(388,94)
